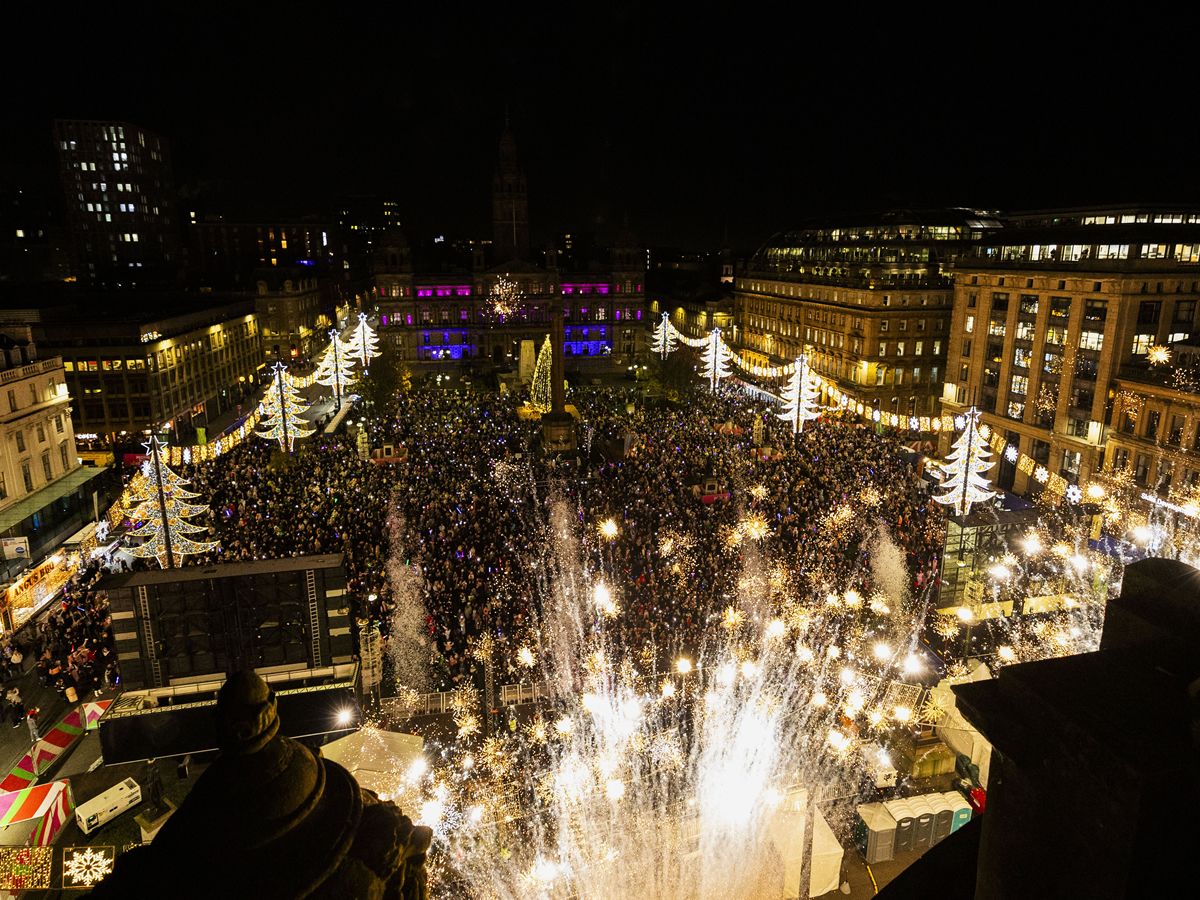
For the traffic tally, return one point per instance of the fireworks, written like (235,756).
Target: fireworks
(608,529)
(758,491)
(505,297)
(1159,355)
(755,527)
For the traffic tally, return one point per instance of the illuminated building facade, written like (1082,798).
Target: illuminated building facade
(118,190)
(45,493)
(294,313)
(458,317)
(1155,428)
(1052,314)
(131,368)
(868,298)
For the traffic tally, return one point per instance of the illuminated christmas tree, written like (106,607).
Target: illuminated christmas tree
(336,369)
(665,341)
(540,392)
(281,409)
(965,483)
(364,343)
(715,359)
(800,397)
(163,508)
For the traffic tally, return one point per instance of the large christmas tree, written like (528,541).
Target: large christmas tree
(715,359)
(281,408)
(541,395)
(163,507)
(965,483)
(665,341)
(336,369)
(800,397)
(363,345)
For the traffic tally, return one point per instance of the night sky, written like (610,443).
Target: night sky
(703,130)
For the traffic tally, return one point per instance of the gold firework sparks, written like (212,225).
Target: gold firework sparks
(755,527)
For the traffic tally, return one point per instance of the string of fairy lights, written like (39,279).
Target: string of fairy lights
(666,340)
(278,415)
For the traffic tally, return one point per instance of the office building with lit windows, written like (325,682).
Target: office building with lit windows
(119,196)
(1055,318)
(867,298)
(140,361)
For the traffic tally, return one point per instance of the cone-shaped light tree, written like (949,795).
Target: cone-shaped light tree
(281,408)
(541,394)
(665,341)
(800,397)
(363,345)
(716,359)
(164,507)
(965,484)
(336,369)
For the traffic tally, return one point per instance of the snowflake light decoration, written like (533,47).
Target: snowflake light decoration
(1074,494)
(86,866)
(1011,453)
(102,530)
(1041,474)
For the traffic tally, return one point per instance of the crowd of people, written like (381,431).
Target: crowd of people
(71,648)
(465,510)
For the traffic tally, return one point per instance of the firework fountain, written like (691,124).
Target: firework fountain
(666,777)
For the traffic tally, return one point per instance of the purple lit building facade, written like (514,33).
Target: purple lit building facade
(439,319)
(482,313)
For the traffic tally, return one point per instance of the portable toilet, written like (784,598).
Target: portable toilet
(943,816)
(902,813)
(875,833)
(960,810)
(922,823)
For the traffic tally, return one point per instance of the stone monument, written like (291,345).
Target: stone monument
(558,426)
(270,819)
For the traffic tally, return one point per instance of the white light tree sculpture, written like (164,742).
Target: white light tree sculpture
(364,343)
(336,369)
(281,408)
(800,397)
(716,359)
(965,484)
(665,341)
(164,507)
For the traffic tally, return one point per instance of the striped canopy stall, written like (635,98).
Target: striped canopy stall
(52,745)
(51,803)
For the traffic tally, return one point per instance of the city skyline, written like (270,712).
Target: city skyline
(697,135)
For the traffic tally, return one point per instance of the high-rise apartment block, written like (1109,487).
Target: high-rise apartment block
(119,194)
